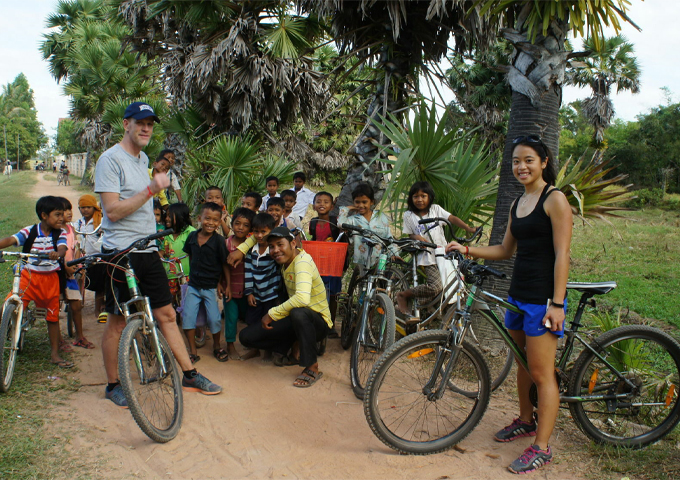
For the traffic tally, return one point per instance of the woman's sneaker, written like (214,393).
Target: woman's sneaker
(200,384)
(517,429)
(532,459)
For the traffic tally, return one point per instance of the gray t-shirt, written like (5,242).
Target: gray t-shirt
(119,172)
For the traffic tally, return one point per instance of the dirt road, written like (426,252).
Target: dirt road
(263,427)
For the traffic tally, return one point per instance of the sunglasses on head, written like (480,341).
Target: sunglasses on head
(528,139)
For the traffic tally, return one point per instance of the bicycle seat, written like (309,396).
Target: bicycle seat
(597,288)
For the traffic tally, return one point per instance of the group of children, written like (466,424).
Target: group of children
(247,291)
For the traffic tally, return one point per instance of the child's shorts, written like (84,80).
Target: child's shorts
(333,285)
(531,318)
(72,291)
(43,290)
(193,300)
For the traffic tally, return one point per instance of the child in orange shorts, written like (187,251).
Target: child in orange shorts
(40,280)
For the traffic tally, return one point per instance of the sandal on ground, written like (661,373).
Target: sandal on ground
(63,364)
(65,347)
(84,342)
(281,360)
(221,355)
(194,358)
(333,333)
(103,317)
(309,377)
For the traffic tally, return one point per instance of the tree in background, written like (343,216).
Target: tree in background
(19,125)
(65,141)
(575,132)
(611,62)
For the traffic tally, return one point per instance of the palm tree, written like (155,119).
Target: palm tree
(611,62)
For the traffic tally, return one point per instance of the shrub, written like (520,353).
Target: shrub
(646,197)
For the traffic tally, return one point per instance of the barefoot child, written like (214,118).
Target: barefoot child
(235,304)
(262,276)
(214,194)
(40,283)
(421,205)
(72,291)
(208,254)
(94,281)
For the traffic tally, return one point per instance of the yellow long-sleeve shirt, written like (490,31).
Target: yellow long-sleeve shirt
(305,289)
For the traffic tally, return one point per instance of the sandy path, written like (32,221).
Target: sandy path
(263,427)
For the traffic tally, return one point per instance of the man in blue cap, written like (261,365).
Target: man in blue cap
(122,180)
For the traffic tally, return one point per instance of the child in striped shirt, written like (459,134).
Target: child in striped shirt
(262,275)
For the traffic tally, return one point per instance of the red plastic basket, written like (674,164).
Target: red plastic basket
(329,257)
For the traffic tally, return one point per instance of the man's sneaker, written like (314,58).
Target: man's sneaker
(517,429)
(532,459)
(200,384)
(117,396)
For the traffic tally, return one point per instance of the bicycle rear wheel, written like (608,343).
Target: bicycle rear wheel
(405,414)
(8,336)
(650,360)
(70,326)
(378,336)
(154,398)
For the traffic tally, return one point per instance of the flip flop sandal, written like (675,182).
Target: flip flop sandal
(103,317)
(84,342)
(65,347)
(63,364)
(308,376)
(194,358)
(221,355)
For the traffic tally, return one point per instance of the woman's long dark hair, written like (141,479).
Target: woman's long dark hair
(543,152)
(180,217)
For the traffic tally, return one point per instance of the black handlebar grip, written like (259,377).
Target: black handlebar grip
(429,245)
(73,262)
(162,234)
(347,226)
(494,272)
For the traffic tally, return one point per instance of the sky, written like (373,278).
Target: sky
(22,25)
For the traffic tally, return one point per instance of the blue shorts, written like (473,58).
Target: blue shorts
(531,318)
(192,302)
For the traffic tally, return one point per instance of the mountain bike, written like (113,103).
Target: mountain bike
(429,390)
(147,369)
(375,328)
(15,320)
(437,311)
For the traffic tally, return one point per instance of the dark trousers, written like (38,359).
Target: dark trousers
(303,324)
(255,314)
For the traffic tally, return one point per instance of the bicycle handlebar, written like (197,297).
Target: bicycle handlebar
(478,232)
(136,245)
(78,232)
(474,269)
(39,256)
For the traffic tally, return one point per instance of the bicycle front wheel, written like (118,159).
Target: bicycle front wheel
(378,336)
(154,397)
(402,405)
(636,412)
(8,335)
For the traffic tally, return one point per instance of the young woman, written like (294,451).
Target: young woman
(539,230)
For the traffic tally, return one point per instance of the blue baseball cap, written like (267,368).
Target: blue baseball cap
(140,110)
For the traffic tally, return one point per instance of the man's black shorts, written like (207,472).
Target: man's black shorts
(151,278)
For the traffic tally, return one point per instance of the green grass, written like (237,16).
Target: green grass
(29,448)
(641,252)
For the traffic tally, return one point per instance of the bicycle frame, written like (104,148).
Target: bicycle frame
(480,300)
(141,304)
(369,294)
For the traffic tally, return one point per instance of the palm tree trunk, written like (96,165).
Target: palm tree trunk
(85,180)
(389,97)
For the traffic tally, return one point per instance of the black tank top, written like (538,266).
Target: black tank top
(533,277)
